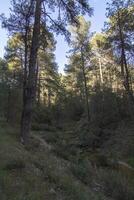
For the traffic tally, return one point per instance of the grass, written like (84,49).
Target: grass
(37,173)
(19,178)
(115,185)
(34,174)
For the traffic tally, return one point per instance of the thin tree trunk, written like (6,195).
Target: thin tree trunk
(49,97)
(38,84)
(29,93)
(8,105)
(101,74)
(39,92)
(85,85)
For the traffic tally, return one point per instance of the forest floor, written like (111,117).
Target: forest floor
(53,167)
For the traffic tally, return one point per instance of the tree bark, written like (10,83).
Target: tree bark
(29,93)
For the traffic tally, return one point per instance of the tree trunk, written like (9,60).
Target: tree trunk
(85,85)
(39,92)
(101,74)
(29,93)
(8,105)
(124,66)
(38,84)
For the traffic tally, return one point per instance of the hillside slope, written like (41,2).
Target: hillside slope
(39,171)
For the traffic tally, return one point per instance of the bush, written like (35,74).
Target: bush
(42,115)
(83,171)
(104,108)
(66,151)
(16,164)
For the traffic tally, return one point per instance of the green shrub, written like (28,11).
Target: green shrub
(104,108)
(83,171)
(65,151)
(16,164)
(130,161)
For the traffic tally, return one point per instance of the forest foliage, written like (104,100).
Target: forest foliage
(85,114)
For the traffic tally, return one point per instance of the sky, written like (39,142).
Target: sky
(97,22)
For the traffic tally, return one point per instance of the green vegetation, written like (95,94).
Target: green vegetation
(67,136)
(37,172)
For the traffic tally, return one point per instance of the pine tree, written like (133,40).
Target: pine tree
(21,20)
(120,32)
(81,55)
